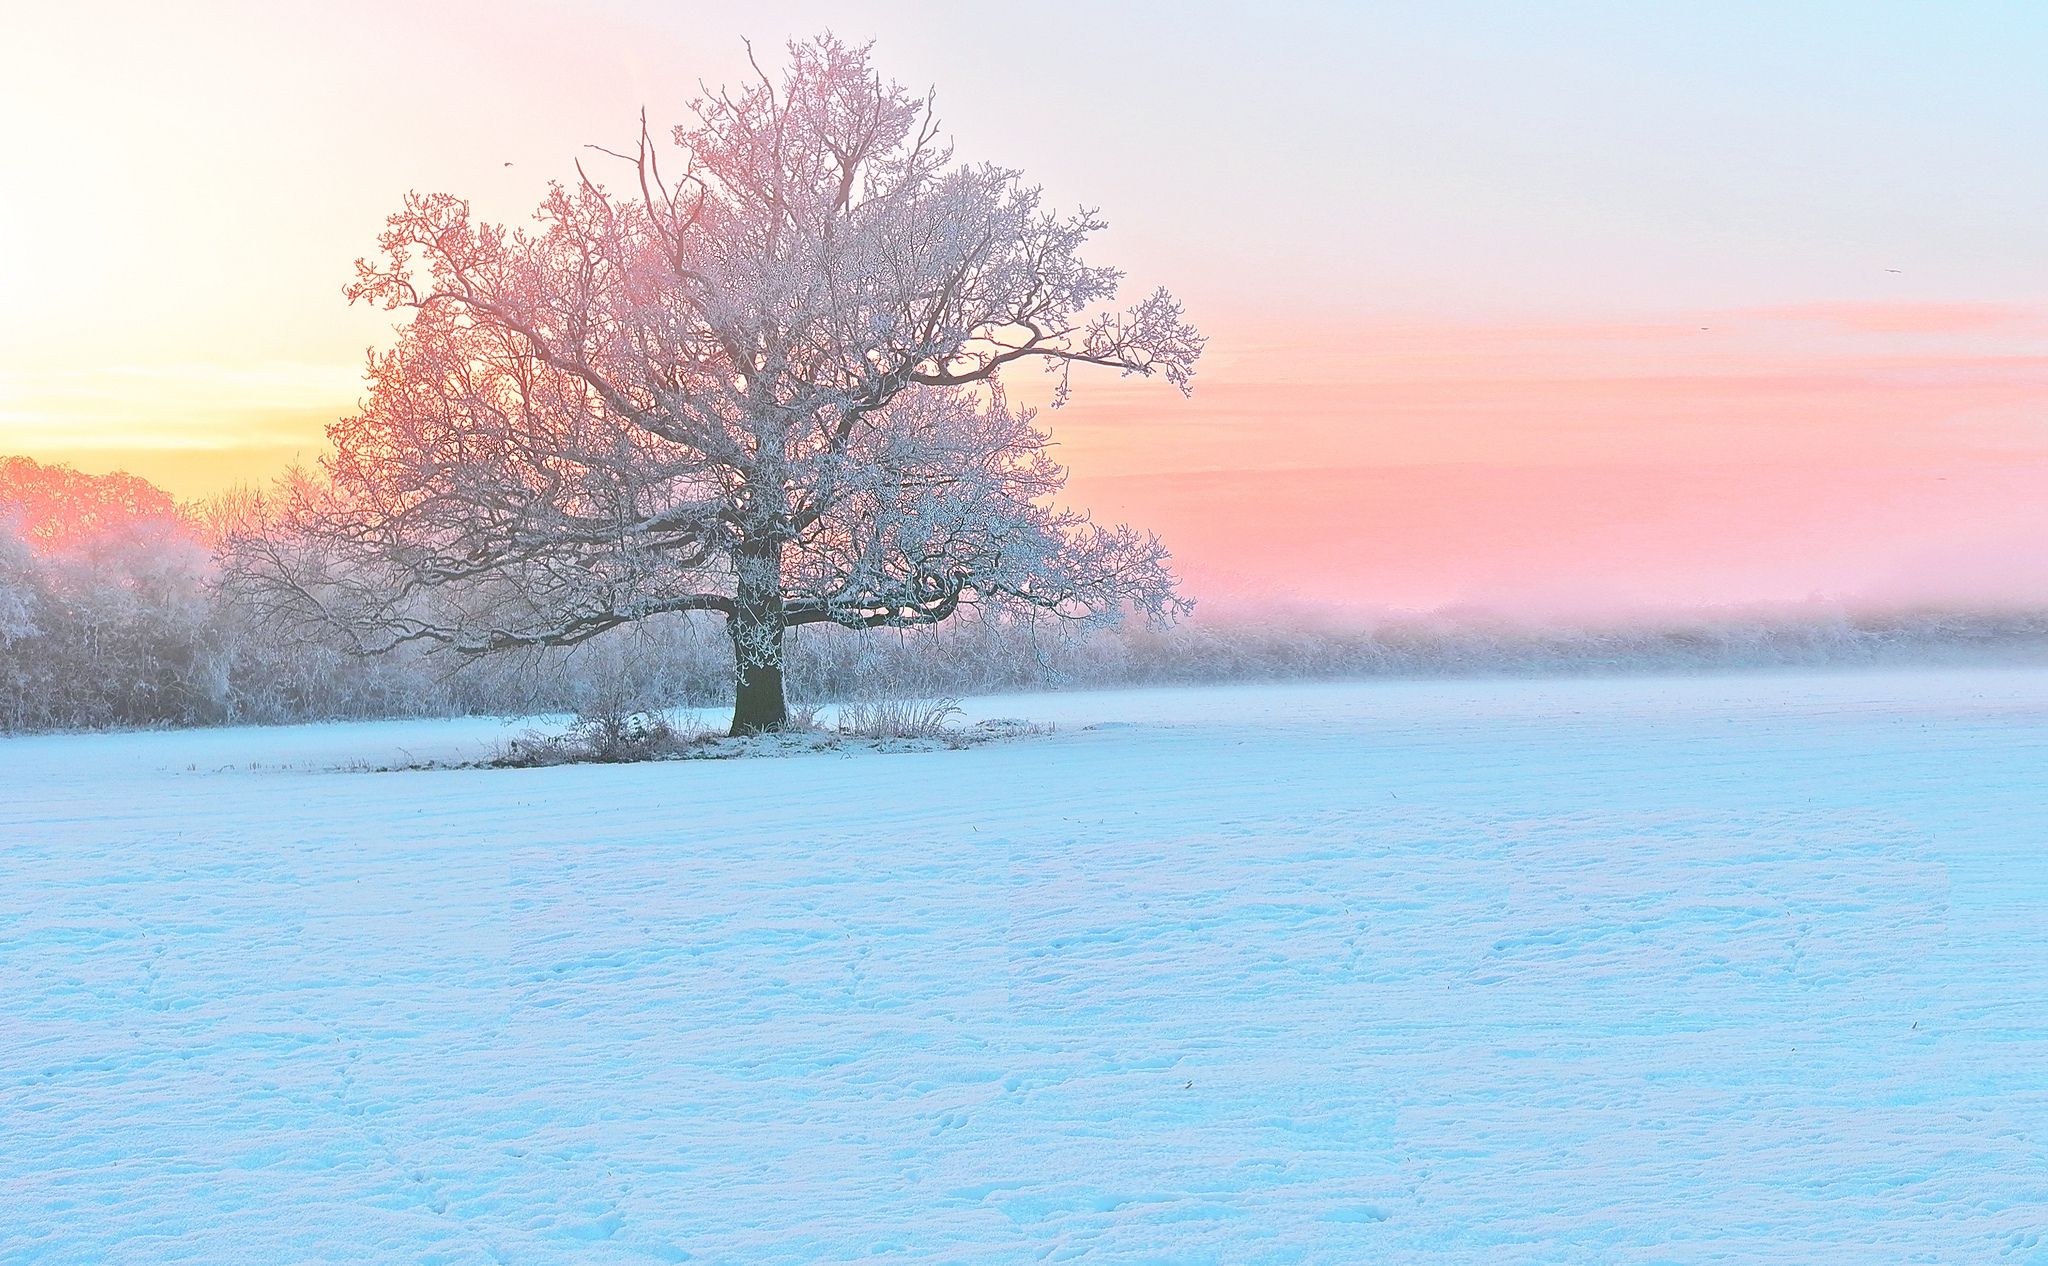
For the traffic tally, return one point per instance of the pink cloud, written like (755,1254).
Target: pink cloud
(1907,317)
(1592,541)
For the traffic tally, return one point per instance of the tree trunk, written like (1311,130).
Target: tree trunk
(758,706)
(757,627)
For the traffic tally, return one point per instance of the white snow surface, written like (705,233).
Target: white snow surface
(1735,969)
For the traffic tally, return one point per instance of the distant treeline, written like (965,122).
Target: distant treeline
(108,619)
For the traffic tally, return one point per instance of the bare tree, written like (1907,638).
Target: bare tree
(764,382)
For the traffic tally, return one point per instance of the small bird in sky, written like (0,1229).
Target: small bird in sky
(1889,270)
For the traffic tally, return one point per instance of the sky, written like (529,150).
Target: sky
(1542,308)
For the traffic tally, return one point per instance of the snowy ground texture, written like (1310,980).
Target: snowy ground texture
(1747,969)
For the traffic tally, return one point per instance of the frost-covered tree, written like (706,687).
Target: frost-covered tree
(19,593)
(103,618)
(763,381)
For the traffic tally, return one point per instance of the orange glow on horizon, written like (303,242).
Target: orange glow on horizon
(1860,452)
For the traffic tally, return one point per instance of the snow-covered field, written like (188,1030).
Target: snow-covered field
(1743,969)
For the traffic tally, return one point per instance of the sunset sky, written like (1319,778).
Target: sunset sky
(1551,308)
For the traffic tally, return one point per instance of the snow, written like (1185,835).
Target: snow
(1738,969)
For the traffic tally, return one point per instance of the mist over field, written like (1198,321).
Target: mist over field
(109,617)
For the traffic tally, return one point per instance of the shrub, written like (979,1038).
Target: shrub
(897,718)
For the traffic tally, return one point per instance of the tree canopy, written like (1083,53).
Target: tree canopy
(763,379)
